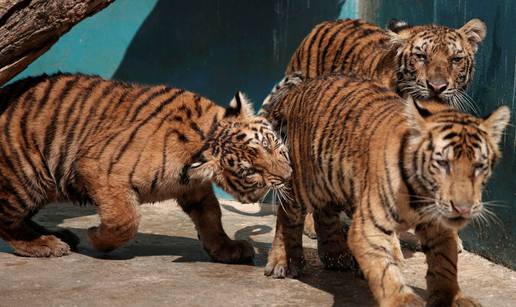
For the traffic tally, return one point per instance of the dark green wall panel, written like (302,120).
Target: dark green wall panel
(217,47)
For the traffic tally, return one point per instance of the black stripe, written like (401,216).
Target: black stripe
(148,101)
(197,103)
(142,123)
(43,101)
(197,130)
(105,112)
(134,100)
(50,130)
(329,44)
(92,113)
(310,45)
(350,51)
(133,169)
(318,58)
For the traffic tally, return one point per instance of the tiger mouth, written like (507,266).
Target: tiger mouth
(458,219)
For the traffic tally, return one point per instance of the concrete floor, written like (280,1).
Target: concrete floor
(166,265)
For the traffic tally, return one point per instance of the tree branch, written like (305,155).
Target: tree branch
(28,28)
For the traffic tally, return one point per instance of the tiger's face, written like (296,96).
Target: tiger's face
(454,161)
(438,62)
(250,158)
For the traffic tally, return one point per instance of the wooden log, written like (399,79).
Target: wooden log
(28,28)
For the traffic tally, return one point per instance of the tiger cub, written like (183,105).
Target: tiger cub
(390,165)
(422,61)
(116,145)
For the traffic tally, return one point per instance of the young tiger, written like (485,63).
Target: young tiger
(116,145)
(391,166)
(423,61)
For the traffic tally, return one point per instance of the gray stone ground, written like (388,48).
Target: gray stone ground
(166,266)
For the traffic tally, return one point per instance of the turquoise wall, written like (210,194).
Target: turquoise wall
(97,45)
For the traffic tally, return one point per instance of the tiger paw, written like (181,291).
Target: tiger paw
(278,267)
(44,246)
(237,251)
(339,261)
(100,242)
(405,300)
(464,301)
(68,237)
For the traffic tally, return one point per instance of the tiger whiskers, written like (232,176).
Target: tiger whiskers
(280,194)
(486,215)
(465,101)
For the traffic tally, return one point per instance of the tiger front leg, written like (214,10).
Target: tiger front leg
(286,255)
(372,243)
(440,246)
(203,208)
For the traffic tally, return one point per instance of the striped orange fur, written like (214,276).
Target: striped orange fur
(423,61)
(82,138)
(390,165)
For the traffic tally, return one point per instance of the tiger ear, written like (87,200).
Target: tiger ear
(239,106)
(496,122)
(416,114)
(396,25)
(475,31)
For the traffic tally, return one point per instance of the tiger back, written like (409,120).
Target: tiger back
(423,61)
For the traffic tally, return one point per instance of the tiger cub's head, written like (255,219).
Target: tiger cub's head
(436,61)
(249,158)
(453,156)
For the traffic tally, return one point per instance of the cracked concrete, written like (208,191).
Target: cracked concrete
(166,265)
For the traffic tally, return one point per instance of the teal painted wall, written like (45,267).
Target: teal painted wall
(494,84)
(97,45)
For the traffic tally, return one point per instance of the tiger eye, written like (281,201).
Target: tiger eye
(456,59)
(422,57)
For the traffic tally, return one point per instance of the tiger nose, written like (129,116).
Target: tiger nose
(437,86)
(462,209)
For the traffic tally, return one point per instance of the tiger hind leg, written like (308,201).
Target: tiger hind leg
(25,239)
(203,208)
(331,244)
(29,243)
(64,235)
(19,232)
